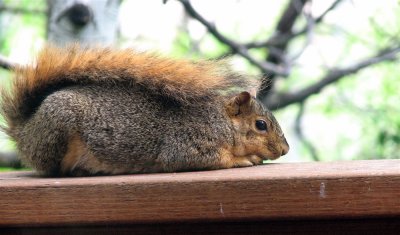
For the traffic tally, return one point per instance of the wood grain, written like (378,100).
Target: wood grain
(354,189)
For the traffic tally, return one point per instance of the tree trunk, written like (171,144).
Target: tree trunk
(88,22)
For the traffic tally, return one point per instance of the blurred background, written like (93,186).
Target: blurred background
(329,69)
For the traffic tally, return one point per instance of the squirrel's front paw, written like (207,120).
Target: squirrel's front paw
(247,161)
(228,160)
(242,162)
(255,159)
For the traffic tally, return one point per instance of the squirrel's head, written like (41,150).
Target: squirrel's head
(256,130)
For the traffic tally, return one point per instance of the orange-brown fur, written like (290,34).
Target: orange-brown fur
(190,77)
(184,80)
(76,150)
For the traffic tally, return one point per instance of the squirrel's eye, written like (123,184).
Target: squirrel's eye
(261,125)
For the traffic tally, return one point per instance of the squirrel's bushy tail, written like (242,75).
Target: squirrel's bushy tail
(182,80)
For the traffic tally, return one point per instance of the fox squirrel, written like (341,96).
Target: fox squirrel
(101,111)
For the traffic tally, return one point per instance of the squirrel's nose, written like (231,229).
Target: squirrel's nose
(285,151)
(285,147)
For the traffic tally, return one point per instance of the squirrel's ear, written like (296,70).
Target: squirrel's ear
(243,98)
(239,104)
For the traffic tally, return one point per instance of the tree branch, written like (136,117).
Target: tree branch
(299,132)
(5,63)
(333,6)
(235,47)
(310,23)
(284,34)
(284,26)
(280,39)
(281,100)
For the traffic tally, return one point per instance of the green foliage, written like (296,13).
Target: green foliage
(363,112)
(206,47)
(5,169)
(19,29)
(22,27)
(382,121)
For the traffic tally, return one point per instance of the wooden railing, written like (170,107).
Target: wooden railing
(308,197)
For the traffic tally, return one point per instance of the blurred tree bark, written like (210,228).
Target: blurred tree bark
(88,22)
(276,53)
